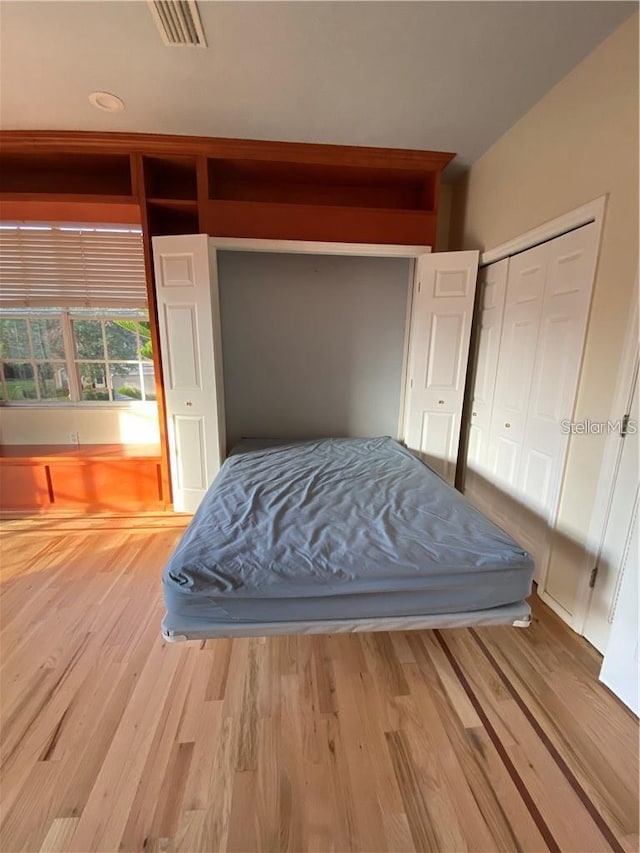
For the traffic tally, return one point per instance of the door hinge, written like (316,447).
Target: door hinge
(624,429)
(593,576)
(411,383)
(419,286)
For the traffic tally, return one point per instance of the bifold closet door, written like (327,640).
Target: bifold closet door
(492,281)
(441,315)
(563,323)
(188,316)
(548,292)
(514,375)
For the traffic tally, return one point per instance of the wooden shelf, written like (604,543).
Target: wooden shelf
(318,222)
(172,216)
(56,173)
(69,198)
(331,184)
(170,177)
(174,203)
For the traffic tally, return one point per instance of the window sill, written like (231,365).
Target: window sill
(88,404)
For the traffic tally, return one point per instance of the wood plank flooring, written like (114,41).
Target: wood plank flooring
(485,739)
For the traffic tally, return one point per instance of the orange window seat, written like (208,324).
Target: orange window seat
(91,478)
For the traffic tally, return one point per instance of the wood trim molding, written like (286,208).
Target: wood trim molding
(65,210)
(32,141)
(593,211)
(312,247)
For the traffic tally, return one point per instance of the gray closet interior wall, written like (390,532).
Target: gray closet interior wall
(312,344)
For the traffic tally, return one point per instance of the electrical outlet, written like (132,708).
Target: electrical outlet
(74,437)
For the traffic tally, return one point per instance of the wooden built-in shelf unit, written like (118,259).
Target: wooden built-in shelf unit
(232,187)
(221,187)
(91,478)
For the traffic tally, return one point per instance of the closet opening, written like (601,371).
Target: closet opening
(312,345)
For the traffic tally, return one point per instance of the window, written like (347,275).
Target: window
(74,325)
(75,355)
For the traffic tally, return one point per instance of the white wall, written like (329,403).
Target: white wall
(132,425)
(312,345)
(444,218)
(576,144)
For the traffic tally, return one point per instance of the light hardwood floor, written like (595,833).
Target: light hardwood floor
(486,739)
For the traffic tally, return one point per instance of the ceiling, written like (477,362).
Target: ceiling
(451,76)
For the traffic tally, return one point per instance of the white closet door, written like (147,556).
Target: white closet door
(188,314)
(548,292)
(622,659)
(619,549)
(570,271)
(441,317)
(493,283)
(523,306)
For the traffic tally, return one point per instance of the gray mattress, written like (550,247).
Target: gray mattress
(335,529)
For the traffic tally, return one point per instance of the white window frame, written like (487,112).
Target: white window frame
(72,363)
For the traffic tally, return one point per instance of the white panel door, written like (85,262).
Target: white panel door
(619,551)
(441,317)
(493,283)
(523,306)
(621,660)
(569,273)
(188,315)
(615,627)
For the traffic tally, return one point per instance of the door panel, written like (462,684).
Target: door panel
(445,352)
(506,463)
(493,283)
(523,305)
(554,352)
(563,321)
(435,442)
(184,361)
(176,270)
(438,351)
(617,555)
(188,311)
(516,373)
(475,453)
(488,348)
(622,660)
(191,461)
(537,478)
(453,282)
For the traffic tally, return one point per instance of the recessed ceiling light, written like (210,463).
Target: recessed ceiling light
(106,101)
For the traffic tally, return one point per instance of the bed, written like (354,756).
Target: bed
(338,535)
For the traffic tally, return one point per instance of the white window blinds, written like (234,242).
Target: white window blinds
(70,266)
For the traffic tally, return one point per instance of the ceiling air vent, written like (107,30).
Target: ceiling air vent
(178,22)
